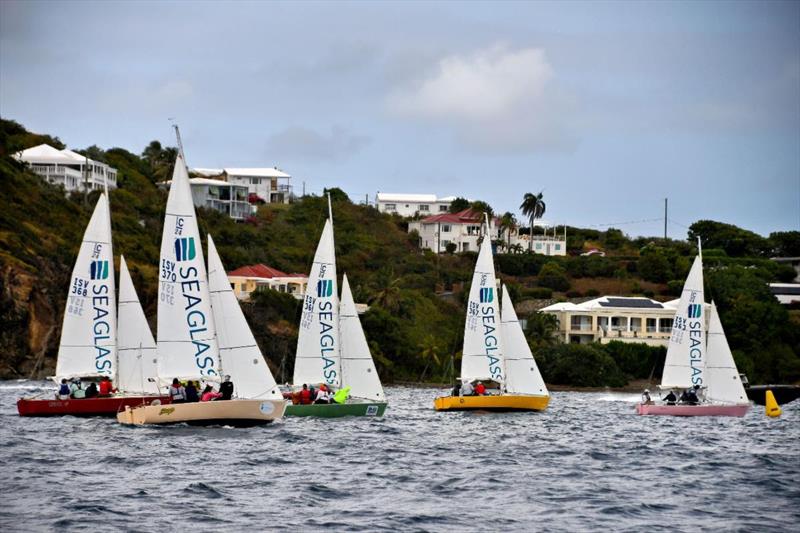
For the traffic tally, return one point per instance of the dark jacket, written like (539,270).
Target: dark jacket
(191,393)
(226,389)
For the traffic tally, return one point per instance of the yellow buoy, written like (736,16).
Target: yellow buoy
(772,407)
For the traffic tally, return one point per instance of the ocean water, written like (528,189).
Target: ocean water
(588,463)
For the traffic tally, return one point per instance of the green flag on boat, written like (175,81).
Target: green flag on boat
(341,395)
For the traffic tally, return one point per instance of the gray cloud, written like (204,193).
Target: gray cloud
(297,142)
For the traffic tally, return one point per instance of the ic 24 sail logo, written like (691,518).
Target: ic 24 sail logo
(487,295)
(324,288)
(694,310)
(184,249)
(98,270)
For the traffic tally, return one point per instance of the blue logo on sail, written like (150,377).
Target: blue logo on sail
(324,288)
(184,249)
(695,310)
(487,295)
(98,270)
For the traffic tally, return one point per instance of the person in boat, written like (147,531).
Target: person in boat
(684,396)
(691,396)
(467,389)
(305,395)
(106,387)
(177,392)
(322,395)
(480,388)
(671,398)
(456,389)
(646,399)
(226,389)
(63,390)
(76,391)
(192,395)
(91,390)
(209,394)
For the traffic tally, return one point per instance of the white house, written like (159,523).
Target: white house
(615,318)
(786,293)
(463,229)
(72,170)
(264,185)
(408,205)
(219,195)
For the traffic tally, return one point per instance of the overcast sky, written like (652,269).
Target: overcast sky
(606,107)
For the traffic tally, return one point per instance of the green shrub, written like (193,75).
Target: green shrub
(554,276)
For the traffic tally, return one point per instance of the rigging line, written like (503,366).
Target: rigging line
(678,223)
(626,222)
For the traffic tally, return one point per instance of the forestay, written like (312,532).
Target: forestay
(522,373)
(88,331)
(317,357)
(721,375)
(358,368)
(239,354)
(482,356)
(135,343)
(187,345)
(685,360)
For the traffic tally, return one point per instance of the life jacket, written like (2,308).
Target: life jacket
(63,390)
(106,387)
(305,396)
(176,393)
(341,395)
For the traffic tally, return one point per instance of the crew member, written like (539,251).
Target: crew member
(63,390)
(76,391)
(177,392)
(106,387)
(192,395)
(226,389)
(671,398)
(305,395)
(646,397)
(480,388)
(209,394)
(466,388)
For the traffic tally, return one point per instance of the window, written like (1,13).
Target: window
(442,208)
(424,207)
(391,207)
(445,228)
(538,246)
(665,325)
(558,246)
(255,181)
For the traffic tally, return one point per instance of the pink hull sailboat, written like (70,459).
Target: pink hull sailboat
(693,410)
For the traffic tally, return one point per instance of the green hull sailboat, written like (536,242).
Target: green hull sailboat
(331,346)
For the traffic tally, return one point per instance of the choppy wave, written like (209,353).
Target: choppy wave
(587,463)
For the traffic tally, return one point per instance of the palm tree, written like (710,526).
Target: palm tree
(386,290)
(429,351)
(533,207)
(507,223)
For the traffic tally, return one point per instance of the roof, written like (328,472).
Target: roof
(207,172)
(262,271)
(44,153)
(467,216)
(206,181)
(613,302)
(784,288)
(257,172)
(392,197)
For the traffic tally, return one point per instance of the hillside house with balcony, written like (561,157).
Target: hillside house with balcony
(264,185)
(219,195)
(409,205)
(69,169)
(614,318)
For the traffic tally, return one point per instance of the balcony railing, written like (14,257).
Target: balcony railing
(232,208)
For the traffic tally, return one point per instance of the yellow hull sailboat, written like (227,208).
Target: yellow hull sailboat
(496,351)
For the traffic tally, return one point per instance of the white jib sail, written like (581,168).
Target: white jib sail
(317,358)
(187,341)
(358,368)
(721,375)
(482,356)
(522,374)
(685,360)
(88,332)
(135,343)
(239,354)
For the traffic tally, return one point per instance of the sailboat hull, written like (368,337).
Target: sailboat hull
(693,410)
(107,406)
(504,402)
(239,413)
(336,410)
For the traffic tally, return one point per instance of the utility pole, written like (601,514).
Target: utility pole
(304,189)
(665,218)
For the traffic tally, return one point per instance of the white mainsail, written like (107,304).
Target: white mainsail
(522,373)
(358,368)
(482,356)
(239,354)
(187,344)
(721,376)
(317,359)
(685,360)
(88,331)
(135,343)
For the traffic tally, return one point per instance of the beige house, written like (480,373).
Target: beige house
(615,318)
(248,279)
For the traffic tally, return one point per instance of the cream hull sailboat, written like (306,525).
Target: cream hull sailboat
(495,350)
(188,342)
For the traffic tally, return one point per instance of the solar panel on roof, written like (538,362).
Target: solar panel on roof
(635,303)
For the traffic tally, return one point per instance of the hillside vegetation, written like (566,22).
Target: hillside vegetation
(414,330)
